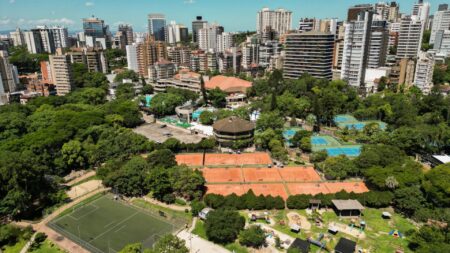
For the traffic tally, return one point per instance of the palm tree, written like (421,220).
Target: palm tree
(391,182)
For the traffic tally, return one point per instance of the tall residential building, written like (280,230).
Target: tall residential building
(443,7)
(181,56)
(356,48)
(441,22)
(309,52)
(96,33)
(197,24)
(280,20)
(8,75)
(148,53)
(46,36)
(157,26)
(410,37)
(230,61)
(406,76)
(17,37)
(60,36)
(250,55)
(207,37)
(338,52)
(423,77)
(224,41)
(161,70)
(267,51)
(354,11)
(308,24)
(176,33)
(127,33)
(393,12)
(61,73)
(93,59)
(378,45)
(421,10)
(132,58)
(442,42)
(33,42)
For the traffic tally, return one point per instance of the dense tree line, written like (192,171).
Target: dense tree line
(246,201)
(25,61)
(167,244)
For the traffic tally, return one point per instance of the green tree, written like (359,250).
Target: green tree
(170,244)
(217,97)
(126,74)
(125,91)
(72,154)
(408,199)
(206,118)
(437,185)
(254,237)
(223,226)
(163,158)
(268,120)
(338,167)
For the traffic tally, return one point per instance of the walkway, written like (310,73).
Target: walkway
(197,244)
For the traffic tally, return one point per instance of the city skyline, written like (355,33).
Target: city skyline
(28,14)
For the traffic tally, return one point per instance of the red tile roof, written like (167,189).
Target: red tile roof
(227,83)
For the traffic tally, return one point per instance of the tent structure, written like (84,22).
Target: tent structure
(345,246)
(348,207)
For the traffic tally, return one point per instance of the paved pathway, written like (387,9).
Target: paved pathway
(197,244)
(28,244)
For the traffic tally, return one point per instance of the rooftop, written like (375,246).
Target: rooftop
(228,84)
(233,124)
(347,204)
(345,246)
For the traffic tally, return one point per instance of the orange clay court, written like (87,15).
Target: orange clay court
(222,175)
(240,189)
(261,175)
(224,159)
(299,174)
(326,187)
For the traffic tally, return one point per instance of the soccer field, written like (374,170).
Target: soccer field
(107,225)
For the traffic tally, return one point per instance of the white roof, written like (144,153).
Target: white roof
(443,158)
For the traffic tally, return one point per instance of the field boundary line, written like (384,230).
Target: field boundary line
(84,215)
(70,236)
(113,227)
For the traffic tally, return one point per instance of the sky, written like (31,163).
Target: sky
(234,15)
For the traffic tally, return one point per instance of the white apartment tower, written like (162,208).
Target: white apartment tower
(421,10)
(207,37)
(410,37)
(61,73)
(441,22)
(132,57)
(280,20)
(442,42)
(224,41)
(378,45)
(423,77)
(356,48)
(60,36)
(17,37)
(7,73)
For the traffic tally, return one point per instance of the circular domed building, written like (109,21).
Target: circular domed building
(233,129)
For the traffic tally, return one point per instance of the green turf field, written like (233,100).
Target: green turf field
(107,225)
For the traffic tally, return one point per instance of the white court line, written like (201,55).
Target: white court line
(84,215)
(107,225)
(120,228)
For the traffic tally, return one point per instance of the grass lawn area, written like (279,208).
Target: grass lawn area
(48,247)
(176,214)
(377,231)
(199,229)
(14,248)
(105,225)
(236,247)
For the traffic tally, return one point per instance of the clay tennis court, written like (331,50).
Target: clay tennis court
(299,174)
(216,175)
(261,175)
(240,189)
(326,187)
(224,159)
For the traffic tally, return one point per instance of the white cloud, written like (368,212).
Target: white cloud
(189,2)
(89,4)
(4,22)
(47,21)
(12,1)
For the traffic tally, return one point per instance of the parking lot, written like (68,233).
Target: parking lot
(161,132)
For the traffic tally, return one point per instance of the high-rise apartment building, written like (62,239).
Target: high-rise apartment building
(127,33)
(148,53)
(250,55)
(410,37)
(422,10)
(60,36)
(280,20)
(443,7)
(33,42)
(197,24)
(356,50)
(230,61)
(132,58)
(354,11)
(441,22)
(267,51)
(393,12)
(423,78)
(179,55)
(157,26)
(442,42)
(207,37)
(96,33)
(161,70)
(176,33)
(61,73)
(309,52)
(17,37)
(8,73)
(378,45)
(94,59)
(308,24)
(224,41)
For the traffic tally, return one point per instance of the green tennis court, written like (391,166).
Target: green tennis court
(106,225)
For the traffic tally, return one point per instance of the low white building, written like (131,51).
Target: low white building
(373,75)
(204,213)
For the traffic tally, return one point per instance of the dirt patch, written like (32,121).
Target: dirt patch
(353,231)
(84,188)
(302,221)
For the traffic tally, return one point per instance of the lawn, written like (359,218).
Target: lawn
(47,247)
(14,248)
(377,231)
(105,224)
